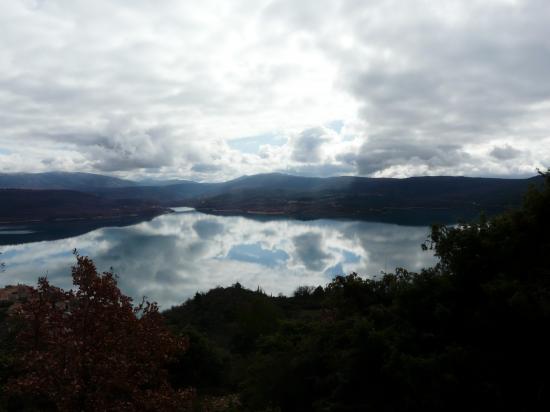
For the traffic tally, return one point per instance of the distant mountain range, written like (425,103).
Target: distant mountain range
(420,200)
(60,181)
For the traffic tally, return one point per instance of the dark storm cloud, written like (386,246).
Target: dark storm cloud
(124,146)
(505,152)
(306,147)
(380,154)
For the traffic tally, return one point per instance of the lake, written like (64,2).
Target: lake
(171,257)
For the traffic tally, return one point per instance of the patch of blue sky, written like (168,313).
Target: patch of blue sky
(350,257)
(254,253)
(335,270)
(335,125)
(4,151)
(251,144)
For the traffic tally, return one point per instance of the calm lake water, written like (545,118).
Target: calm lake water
(171,257)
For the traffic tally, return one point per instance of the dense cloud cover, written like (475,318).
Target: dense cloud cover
(212,90)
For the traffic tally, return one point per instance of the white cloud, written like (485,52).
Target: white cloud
(160,88)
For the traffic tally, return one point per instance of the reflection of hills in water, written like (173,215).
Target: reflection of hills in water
(173,256)
(403,217)
(48,231)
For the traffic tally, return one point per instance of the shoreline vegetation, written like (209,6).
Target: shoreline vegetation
(469,333)
(22,206)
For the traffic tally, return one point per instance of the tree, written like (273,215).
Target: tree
(91,349)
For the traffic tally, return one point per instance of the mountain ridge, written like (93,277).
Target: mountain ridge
(93,181)
(60,181)
(420,199)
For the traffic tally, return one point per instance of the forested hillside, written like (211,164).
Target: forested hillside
(31,206)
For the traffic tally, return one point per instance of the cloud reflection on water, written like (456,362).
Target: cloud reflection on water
(173,256)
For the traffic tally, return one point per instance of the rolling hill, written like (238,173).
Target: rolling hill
(60,181)
(420,200)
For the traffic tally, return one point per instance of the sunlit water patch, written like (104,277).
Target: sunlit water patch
(171,257)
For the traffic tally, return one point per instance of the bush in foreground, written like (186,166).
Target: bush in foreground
(91,349)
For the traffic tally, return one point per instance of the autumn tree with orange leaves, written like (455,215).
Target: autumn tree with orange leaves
(91,349)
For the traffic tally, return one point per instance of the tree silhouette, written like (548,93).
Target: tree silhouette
(91,349)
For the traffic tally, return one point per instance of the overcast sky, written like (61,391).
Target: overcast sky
(212,90)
